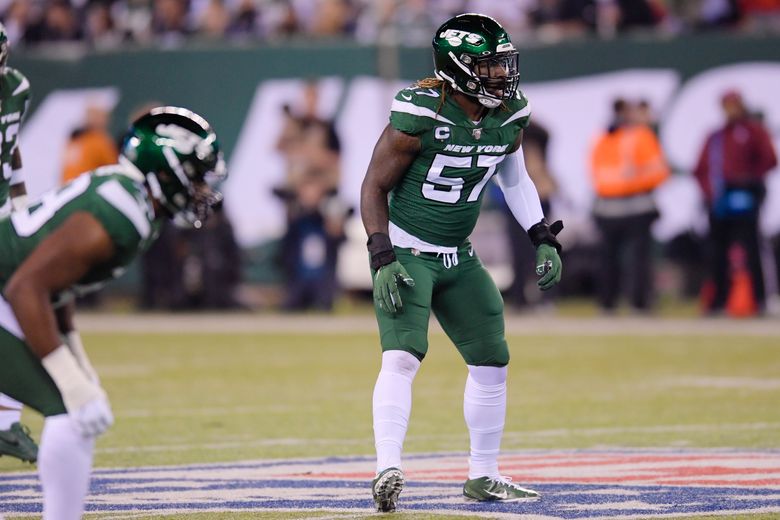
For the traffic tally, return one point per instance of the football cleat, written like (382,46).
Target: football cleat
(486,489)
(386,487)
(16,442)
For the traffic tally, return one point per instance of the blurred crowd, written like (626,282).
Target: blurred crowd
(106,24)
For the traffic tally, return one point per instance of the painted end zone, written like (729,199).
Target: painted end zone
(574,484)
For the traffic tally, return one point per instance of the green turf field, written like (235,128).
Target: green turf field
(184,398)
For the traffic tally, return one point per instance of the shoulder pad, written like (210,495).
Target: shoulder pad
(415,109)
(17,81)
(519,110)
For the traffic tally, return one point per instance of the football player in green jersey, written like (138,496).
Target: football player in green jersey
(70,242)
(447,137)
(15,438)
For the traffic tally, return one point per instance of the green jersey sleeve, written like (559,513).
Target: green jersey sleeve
(124,216)
(21,89)
(416,110)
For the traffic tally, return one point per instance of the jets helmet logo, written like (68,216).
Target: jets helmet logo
(180,139)
(455,37)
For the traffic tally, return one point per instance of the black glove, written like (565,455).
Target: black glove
(543,233)
(381,250)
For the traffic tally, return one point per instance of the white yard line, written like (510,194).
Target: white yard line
(327,324)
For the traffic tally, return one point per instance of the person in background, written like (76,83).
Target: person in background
(15,440)
(626,166)
(90,146)
(732,167)
(315,213)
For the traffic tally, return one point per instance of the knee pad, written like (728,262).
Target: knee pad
(400,362)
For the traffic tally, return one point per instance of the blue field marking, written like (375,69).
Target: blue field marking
(295,485)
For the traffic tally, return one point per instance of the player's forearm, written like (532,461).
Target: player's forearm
(33,310)
(374,210)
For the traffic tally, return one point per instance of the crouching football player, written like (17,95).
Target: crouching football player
(71,242)
(447,137)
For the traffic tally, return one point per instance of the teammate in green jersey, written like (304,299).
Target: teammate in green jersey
(15,438)
(70,242)
(447,137)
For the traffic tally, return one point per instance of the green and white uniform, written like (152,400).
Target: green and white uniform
(118,199)
(14,99)
(433,210)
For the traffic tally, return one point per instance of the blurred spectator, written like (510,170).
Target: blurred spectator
(245,19)
(731,171)
(214,20)
(535,140)
(627,165)
(59,23)
(104,23)
(100,30)
(761,15)
(511,14)
(208,262)
(169,22)
(558,19)
(89,146)
(389,21)
(315,214)
(717,13)
(17,19)
(333,18)
(646,116)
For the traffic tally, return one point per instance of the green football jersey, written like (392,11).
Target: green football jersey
(116,197)
(14,98)
(438,199)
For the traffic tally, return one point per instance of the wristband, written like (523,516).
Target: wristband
(381,250)
(543,233)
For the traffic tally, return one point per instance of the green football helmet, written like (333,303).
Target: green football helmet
(178,154)
(3,48)
(474,55)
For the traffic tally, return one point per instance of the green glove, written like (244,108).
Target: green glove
(386,293)
(548,266)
